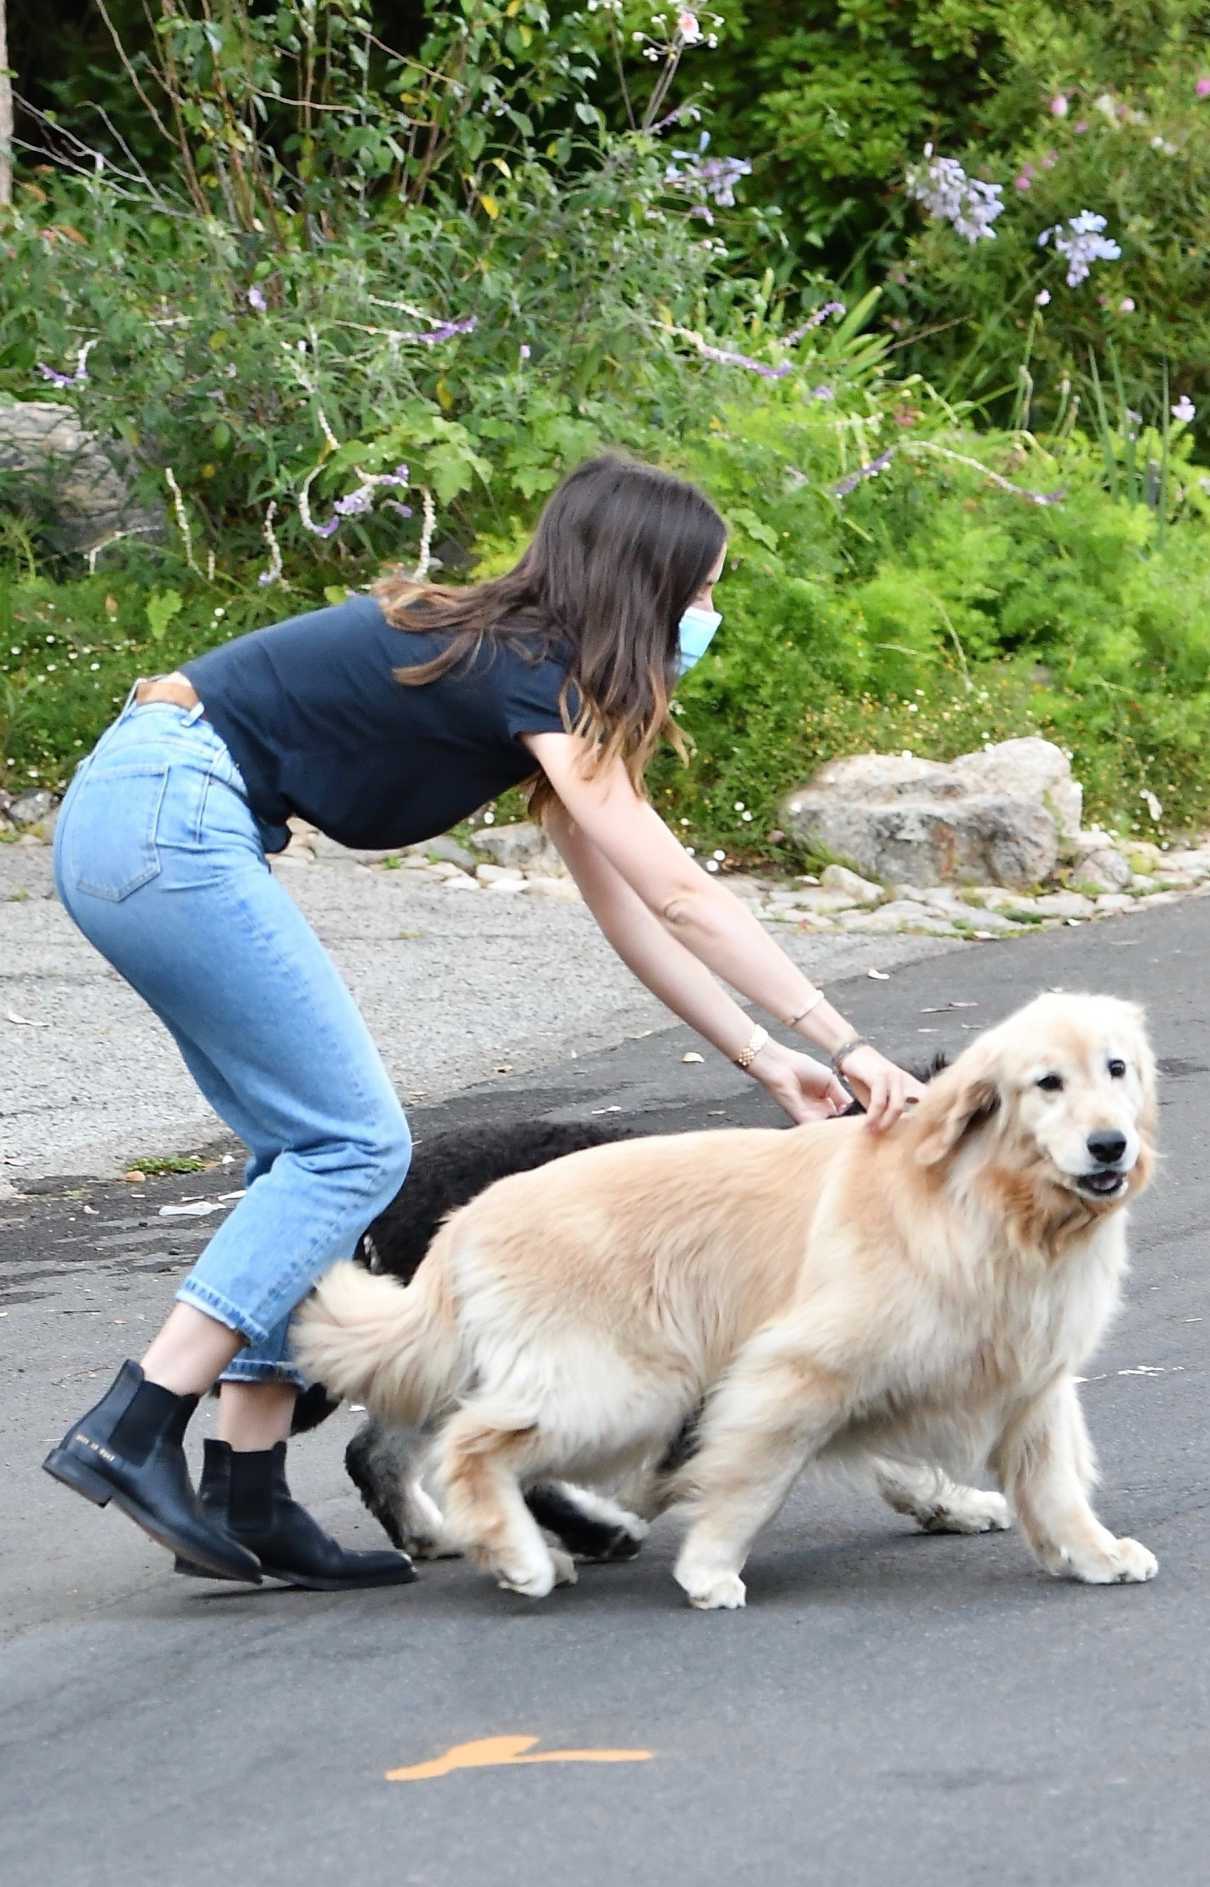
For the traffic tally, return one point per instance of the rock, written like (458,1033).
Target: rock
(1104,870)
(991,817)
(1142,882)
(30,809)
(451,879)
(859,890)
(821,902)
(1144,856)
(1157,897)
(524,847)
(1113,901)
(498,875)
(1030,768)
(446,850)
(444,870)
(80,488)
(502,887)
(565,888)
(1193,864)
(1063,904)
(899,915)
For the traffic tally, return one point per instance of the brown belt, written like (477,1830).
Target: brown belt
(174,688)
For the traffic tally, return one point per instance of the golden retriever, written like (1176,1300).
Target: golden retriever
(922,1297)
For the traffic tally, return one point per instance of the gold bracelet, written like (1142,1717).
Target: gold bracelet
(814,1003)
(759,1039)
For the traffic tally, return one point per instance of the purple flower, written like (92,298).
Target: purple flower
(355,503)
(58,379)
(711,179)
(822,393)
(1081,243)
(815,320)
(256,299)
(850,484)
(945,192)
(726,358)
(327,529)
(444,331)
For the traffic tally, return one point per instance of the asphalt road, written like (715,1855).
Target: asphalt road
(890,1708)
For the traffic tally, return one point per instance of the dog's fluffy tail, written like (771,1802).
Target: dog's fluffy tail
(368,1339)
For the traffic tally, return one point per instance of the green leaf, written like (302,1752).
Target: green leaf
(160,608)
(753,527)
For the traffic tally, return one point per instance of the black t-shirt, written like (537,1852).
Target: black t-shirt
(318,725)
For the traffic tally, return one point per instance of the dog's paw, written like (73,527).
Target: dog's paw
(532,1581)
(710,1590)
(565,1567)
(968,1510)
(1122,1562)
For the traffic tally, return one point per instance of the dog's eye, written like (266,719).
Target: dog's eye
(1117,1069)
(1051,1084)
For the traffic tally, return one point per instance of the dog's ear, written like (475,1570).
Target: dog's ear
(957,1101)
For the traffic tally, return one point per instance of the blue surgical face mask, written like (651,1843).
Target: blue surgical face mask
(696,632)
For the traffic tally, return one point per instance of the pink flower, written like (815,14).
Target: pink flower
(1080,127)
(1021,182)
(1050,160)
(1202,88)
(1126,305)
(688,27)
(1059,106)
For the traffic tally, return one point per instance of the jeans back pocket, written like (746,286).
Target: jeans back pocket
(108,841)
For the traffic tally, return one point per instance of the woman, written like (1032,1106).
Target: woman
(384,721)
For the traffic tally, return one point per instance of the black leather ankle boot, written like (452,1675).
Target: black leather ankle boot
(247,1494)
(129,1450)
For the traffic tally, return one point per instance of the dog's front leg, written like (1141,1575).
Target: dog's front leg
(1046,1467)
(771,1414)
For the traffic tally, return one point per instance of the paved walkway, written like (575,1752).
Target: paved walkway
(455,986)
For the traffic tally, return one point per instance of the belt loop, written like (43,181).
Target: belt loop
(129,701)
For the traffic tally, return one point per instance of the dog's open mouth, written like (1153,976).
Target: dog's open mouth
(1106,1182)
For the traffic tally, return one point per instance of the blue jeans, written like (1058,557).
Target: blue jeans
(160,861)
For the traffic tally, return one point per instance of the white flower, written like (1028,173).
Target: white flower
(720,856)
(1184,410)
(1042,298)
(688,27)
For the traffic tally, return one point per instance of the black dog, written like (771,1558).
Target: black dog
(452,1170)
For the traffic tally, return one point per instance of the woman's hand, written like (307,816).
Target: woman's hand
(805,1088)
(883,1089)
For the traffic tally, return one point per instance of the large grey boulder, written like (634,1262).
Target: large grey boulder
(521,847)
(80,484)
(988,818)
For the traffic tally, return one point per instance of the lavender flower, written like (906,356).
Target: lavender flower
(256,299)
(1081,243)
(444,331)
(850,484)
(815,320)
(1184,410)
(711,179)
(75,379)
(946,193)
(525,350)
(355,504)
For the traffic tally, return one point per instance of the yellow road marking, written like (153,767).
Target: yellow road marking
(504,1752)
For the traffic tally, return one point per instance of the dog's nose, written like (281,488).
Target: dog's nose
(1107,1148)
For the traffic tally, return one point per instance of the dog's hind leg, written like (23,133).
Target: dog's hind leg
(482,1453)
(587,1524)
(382,1464)
(937,1504)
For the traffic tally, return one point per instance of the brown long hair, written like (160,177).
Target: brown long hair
(620,551)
